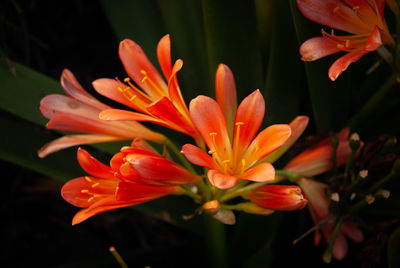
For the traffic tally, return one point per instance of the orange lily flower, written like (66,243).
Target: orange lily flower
(148,168)
(231,162)
(278,197)
(79,111)
(319,210)
(106,190)
(155,100)
(364,19)
(318,159)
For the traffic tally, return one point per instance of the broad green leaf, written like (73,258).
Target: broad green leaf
(19,141)
(136,20)
(183,21)
(232,38)
(330,100)
(285,84)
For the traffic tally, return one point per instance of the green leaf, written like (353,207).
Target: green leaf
(231,36)
(330,100)
(183,21)
(137,20)
(285,85)
(394,249)
(19,141)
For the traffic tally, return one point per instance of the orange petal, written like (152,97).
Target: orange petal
(79,191)
(73,140)
(72,87)
(109,88)
(266,142)
(340,246)
(165,110)
(106,204)
(316,48)
(197,156)
(124,115)
(297,126)
(141,193)
(54,104)
(250,114)
(164,55)
(210,122)
(225,91)
(220,180)
(261,173)
(174,91)
(135,60)
(315,193)
(92,166)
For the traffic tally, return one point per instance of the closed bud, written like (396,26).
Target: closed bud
(211,207)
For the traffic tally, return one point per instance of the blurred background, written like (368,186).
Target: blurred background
(258,40)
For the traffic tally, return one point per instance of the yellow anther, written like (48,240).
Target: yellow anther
(144,79)
(256,147)
(132,98)
(347,43)
(88,179)
(226,161)
(143,72)
(85,191)
(212,151)
(90,199)
(356,8)
(212,134)
(95,184)
(239,123)
(243,163)
(336,9)
(340,46)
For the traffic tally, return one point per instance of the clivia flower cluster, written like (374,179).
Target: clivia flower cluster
(235,157)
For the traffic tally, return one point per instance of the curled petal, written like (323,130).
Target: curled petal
(197,156)
(174,91)
(164,55)
(220,180)
(261,173)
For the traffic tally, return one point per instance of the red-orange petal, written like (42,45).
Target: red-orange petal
(260,173)
(72,87)
(141,193)
(250,114)
(225,91)
(221,180)
(266,142)
(73,140)
(316,48)
(94,167)
(210,122)
(124,115)
(197,156)
(135,60)
(174,91)
(322,12)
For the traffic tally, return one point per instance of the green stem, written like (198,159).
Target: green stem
(382,182)
(216,242)
(371,105)
(181,157)
(189,193)
(328,252)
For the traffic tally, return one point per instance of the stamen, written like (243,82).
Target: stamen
(212,134)
(212,151)
(239,123)
(340,46)
(336,9)
(243,163)
(226,161)
(90,199)
(151,86)
(332,32)
(88,179)
(95,185)
(85,191)
(347,43)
